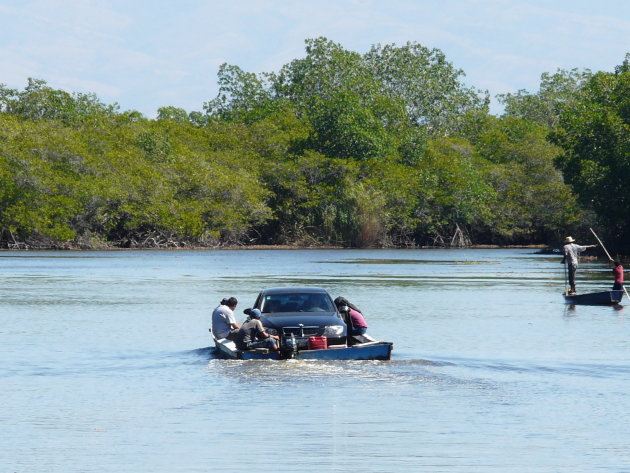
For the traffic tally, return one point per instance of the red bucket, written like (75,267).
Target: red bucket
(317,343)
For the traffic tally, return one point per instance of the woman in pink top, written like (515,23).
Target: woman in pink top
(357,325)
(618,273)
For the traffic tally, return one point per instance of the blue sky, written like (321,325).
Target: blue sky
(145,54)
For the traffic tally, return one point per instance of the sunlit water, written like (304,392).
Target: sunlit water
(105,366)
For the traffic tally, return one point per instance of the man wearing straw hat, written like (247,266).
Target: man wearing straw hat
(571,253)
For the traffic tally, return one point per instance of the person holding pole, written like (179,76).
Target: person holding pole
(571,254)
(617,268)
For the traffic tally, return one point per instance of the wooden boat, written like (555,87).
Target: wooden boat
(595,298)
(367,348)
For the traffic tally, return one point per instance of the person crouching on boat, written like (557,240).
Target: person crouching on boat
(618,274)
(252,334)
(571,253)
(358,325)
(223,322)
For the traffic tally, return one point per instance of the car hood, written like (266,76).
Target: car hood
(292,319)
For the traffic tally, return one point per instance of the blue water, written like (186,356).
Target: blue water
(106,366)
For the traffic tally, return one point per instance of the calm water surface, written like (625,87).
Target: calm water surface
(106,366)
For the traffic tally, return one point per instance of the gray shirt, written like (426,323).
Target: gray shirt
(222,318)
(248,333)
(572,251)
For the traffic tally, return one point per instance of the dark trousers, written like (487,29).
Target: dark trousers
(358,331)
(571,268)
(232,334)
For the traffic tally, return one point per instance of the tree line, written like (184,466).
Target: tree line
(383,149)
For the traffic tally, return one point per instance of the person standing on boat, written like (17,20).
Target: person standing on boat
(252,334)
(571,254)
(223,322)
(358,325)
(618,273)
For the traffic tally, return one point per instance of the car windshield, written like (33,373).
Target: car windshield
(296,302)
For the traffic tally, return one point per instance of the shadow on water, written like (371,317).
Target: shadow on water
(207,352)
(572,310)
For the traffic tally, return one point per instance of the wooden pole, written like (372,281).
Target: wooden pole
(608,254)
(600,242)
(566,276)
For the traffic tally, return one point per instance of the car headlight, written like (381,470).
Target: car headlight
(271,331)
(332,331)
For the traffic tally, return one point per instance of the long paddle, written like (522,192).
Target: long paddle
(608,254)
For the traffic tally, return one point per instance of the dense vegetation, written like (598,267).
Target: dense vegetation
(386,148)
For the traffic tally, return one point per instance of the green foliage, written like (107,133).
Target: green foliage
(243,96)
(383,103)
(428,85)
(173,113)
(530,195)
(388,148)
(624,66)
(39,188)
(138,183)
(308,198)
(40,102)
(331,87)
(556,92)
(452,192)
(345,128)
(595,136)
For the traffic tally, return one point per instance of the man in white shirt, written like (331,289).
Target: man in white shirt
(571,254)
(223,322)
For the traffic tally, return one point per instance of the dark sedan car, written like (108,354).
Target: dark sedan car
(301,312)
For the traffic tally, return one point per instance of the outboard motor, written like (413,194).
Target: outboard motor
(290,347)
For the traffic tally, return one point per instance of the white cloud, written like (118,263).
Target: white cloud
(87,86)
(142,53)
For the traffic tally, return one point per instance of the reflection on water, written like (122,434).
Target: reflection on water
(414,261)
(107,365)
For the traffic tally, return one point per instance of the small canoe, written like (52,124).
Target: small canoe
(595,298)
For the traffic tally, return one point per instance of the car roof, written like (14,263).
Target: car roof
(294,290)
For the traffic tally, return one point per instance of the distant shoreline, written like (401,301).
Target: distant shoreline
(275,247)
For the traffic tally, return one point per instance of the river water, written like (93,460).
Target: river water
(106,366)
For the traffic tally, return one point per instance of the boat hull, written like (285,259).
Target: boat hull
(595,298)
(365,351)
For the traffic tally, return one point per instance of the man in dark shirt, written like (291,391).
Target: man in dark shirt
(252,334)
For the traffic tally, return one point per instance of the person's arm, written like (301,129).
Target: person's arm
(582,248)
(261,330)
(232,321)
(268,335)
